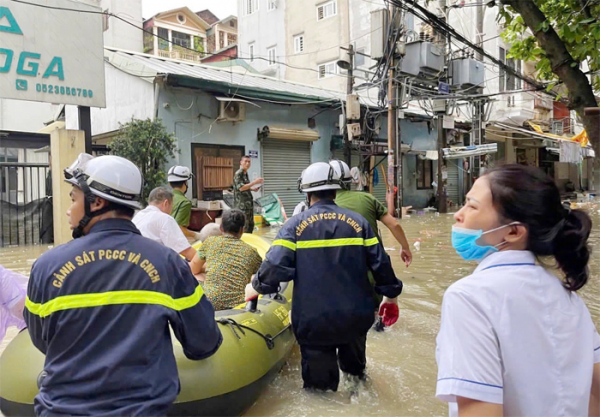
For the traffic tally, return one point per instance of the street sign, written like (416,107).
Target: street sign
(52,55)
(253,154)
(443,88)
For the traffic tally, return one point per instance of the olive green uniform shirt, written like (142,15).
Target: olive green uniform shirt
(182,209)
(364,204)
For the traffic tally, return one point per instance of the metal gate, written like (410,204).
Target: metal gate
(22,201)
(282,164)
(452,189)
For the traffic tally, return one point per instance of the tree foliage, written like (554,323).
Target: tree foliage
(149,146)
(577,23)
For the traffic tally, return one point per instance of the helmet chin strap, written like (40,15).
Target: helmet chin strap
(89,198)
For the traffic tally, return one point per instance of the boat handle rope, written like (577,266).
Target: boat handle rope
(269,340)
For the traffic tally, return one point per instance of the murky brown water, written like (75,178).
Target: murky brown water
(401,361)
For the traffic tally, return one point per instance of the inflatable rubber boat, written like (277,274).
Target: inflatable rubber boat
(257,340)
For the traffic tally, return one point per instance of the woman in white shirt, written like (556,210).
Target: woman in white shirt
(515,340)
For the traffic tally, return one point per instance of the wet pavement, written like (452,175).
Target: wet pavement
(401,361)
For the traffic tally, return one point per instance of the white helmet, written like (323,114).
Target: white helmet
(110,177)
(178,174)
(341,168)
(319,176)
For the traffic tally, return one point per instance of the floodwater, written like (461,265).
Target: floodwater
(401,361)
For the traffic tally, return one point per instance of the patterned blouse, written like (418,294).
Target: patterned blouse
(230,264)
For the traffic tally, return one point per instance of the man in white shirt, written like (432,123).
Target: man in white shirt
(155,222)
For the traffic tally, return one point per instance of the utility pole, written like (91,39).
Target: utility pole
(441,188)
(392,180)
(479,24)
(398,177)
(349,88)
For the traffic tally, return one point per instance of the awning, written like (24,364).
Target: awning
(467,151)
(52,127)
(276,132)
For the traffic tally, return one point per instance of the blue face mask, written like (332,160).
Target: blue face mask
(465,242)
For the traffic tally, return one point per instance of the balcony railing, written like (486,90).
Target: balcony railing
(181,55)
(564,126)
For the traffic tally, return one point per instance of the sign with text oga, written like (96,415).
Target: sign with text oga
(52,55)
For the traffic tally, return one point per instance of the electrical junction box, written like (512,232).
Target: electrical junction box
(352,107)
(422,57)
(467,72)
(379,32)
(439,105)
(354,131)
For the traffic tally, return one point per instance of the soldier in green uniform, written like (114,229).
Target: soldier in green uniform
(242,192)
(178,178)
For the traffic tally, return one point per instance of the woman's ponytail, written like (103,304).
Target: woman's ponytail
(571,250)
(527,195)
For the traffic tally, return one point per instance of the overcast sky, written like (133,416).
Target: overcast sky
(221,8)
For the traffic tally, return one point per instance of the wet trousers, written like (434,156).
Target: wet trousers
(249,226)
(321,364)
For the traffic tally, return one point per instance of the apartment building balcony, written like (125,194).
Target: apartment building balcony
(186,55)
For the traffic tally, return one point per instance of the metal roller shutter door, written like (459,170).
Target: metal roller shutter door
(452,182)
(282,164)
(379,190)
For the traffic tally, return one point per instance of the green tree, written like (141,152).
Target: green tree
(148,145)
(559,35)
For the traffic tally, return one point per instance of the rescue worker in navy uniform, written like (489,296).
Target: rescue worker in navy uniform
(101,305)
(327,251)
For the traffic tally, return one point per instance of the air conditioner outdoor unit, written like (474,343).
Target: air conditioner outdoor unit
(232,111)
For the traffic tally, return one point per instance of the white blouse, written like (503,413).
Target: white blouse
(512,335)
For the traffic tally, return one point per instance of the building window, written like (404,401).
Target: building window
(519,82)
(424,174)
(251,52)
(232,23)
(251,6)
(326,10)
(328,69)
(502,76)
(181,18)
(163,39)
(231,38)
(271,56)
(271,5)
(298,44)
(181,39)
(359,60)
(221,39)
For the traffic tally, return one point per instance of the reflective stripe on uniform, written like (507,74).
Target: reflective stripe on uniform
(286,243)
(372,241)
(69,302)
(326,243)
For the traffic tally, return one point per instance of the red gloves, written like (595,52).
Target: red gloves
(389,312)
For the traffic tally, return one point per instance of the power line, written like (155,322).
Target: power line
(443,27)
(205,54)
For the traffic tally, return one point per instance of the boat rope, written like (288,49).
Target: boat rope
(235,326)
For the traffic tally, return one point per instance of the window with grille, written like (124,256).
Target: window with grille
(326,10)
(327,69)
(271,56)
(251,6)
(221,39)
(298,44)
(181,39)
(251,52)
(163,39)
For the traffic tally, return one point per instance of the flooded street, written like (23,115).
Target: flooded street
(401,362)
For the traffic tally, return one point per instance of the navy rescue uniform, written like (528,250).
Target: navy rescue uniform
(100,308)
(327,251)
